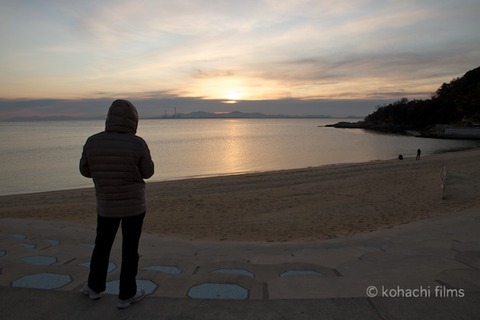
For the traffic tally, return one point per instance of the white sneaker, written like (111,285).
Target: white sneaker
(123,304)
(90,293)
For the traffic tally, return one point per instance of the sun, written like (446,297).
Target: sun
(232,96)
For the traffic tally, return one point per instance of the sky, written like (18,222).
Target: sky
(343,57)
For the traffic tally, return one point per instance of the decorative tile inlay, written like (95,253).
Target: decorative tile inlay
(241,272)
(43,281)
(165,269)
(53,243)
(39,260)
(218,291)
(293,273)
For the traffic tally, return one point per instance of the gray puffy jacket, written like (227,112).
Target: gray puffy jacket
(118,161)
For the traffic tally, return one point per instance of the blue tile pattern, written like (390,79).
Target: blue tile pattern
(218,291)
(53,243)
(165,269)
(39,260)
(241,272)
(293,273)
(43,281)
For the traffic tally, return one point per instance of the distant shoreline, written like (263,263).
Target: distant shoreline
(191,115)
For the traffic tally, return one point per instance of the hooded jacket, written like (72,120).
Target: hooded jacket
(118,161)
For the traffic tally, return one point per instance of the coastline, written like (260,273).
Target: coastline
(288,205)
(438,131)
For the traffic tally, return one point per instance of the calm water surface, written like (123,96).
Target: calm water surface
(43,156)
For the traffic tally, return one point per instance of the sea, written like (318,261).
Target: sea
(42,156)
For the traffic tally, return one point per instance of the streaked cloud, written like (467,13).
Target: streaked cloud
(300,49)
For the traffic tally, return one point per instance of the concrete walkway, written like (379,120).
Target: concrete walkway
(426,269)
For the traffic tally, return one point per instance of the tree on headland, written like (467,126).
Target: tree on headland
(454,103)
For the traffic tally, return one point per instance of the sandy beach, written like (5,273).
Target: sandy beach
(289,205)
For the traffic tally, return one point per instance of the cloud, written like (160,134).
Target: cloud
(266,49)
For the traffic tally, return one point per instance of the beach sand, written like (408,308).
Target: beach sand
(289,205)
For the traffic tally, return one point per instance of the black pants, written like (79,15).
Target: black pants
(106,231)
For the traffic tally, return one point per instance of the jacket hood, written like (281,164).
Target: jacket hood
(122,117)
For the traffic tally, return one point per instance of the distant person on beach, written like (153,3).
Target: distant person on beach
(118,161)
(400,157)
(419,152)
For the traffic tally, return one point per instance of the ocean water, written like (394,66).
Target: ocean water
(44,155)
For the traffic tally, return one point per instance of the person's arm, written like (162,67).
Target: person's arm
(84,167)
(146,166)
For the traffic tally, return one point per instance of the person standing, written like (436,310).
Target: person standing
(419,152)
(118,161)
